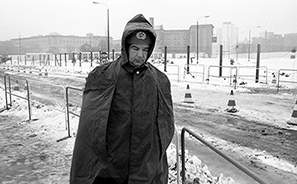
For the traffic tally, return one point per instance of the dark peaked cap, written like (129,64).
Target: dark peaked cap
(142,30)
(139,18)
(140,37)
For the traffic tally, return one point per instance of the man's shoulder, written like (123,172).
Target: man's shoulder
(158,72)
(100,74)
(100,68)
(106,67)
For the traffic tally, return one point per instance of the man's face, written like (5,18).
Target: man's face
(138,54)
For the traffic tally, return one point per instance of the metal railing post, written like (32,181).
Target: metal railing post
(177,156)
(9,89)
(5,92)
(67,112)
(236,164)
(28,98)
(170,73)
(208,75)
(281,72)
(183,155)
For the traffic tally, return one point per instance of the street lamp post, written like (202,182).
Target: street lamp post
(108,45)
(249,54)
(90,42)
(20,46)
(206,16)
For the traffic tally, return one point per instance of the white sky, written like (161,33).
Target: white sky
(27,18)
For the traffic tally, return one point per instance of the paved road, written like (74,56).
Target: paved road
(238,131)
(211,121)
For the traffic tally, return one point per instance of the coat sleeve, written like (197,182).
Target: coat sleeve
(165,112)
(89,152)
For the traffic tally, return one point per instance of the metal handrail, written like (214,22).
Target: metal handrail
(67,110)
(236,164)
(278,77)
(171,73)
(221,67)
(177,155)
(13,94)
(237,72)
(195,72)
(7,90)
(254,67)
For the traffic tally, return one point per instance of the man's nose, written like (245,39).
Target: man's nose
(139,53)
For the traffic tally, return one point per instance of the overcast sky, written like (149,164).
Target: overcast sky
(27,18)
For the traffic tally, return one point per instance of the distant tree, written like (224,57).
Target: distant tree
(53,50)
(8,48)
(85,48)
(70,49)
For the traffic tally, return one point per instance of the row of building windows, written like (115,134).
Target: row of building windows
(57,41)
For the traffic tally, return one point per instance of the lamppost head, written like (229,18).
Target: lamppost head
(95,2)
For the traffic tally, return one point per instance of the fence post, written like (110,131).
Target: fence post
(258,64)
(60,60)
(112,55)
(28,97)
(79,59)
(67,112)
(65,55)
(188,59)
(5,92)
(165,58)
(221,60)
(9,89)
(91,58)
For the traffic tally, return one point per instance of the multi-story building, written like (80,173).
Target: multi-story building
(160,46)
(56,43)
(205,37)
(270,42)
(290,40)
(177,41)
(227,36)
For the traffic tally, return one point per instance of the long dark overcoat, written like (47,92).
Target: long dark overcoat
(126,121)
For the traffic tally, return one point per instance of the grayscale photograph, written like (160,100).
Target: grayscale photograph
(148,92)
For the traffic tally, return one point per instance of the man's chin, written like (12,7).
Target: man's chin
(136,64)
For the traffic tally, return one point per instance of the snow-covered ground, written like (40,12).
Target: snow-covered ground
(47,129)
(49,124)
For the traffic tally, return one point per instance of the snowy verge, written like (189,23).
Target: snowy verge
(48,124)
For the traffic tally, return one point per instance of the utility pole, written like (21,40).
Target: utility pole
(197,47)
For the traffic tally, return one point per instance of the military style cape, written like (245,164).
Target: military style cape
(126,121)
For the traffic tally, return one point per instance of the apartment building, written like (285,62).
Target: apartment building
(56,43)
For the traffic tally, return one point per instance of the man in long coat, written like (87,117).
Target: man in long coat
(126,121)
